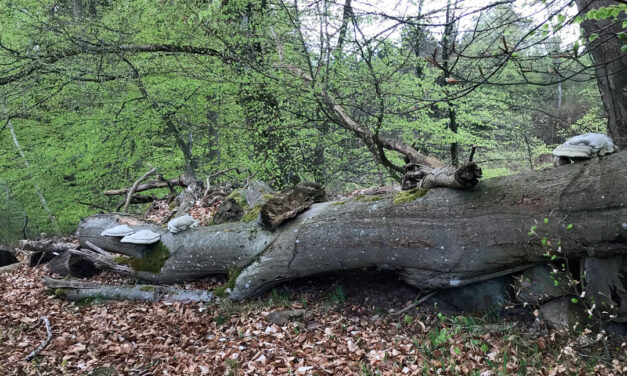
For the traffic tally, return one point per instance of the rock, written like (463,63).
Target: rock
(182,223)
(257,193)
(479,298)
(142,237)
(561,313)
(228,211)
(537,285)
(282,317)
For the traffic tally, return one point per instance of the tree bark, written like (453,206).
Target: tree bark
(446,238)
(610,67)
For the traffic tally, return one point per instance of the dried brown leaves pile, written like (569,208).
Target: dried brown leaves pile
(336,337)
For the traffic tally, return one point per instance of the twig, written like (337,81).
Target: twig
(418,302)
(472,153)
(43,343)
(134,187)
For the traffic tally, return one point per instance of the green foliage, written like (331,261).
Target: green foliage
(229,285)
(336,296)
(92,119)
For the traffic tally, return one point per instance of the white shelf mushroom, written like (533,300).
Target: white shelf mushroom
(118,231)
(182,223)
(142,237)
(582,147)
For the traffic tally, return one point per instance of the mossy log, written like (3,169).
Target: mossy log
(433,239)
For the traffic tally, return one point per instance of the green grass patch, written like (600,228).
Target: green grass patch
(230,284)
(404,197)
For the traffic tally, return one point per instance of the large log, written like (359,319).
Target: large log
(444,238)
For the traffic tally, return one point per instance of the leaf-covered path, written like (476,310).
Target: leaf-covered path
(345,331)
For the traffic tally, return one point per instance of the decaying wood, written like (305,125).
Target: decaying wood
(9,268)
(228,211)
(129,196)
(603,283)
(79,290)
(47,245)
(73,265)
(446,238)
(289,203)
(44,343)
(463,177)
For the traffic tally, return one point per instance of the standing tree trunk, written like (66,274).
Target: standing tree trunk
(610,66)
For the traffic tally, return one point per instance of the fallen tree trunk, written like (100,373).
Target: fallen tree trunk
(78,290)
(433,239)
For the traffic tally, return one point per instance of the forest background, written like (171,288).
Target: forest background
(92,90)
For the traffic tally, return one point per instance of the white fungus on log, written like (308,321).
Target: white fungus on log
(182,223)
(119,231)
(584,146)
(142,237)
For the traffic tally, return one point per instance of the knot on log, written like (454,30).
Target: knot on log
(288,203)
(419,176)
(468,175)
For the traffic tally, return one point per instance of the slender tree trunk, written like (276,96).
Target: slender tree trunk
(610,66)
(42,199)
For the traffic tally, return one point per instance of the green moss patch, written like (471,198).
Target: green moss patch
(337,203)
(147,288)
(404,197)
(251,214)
(60,293)
(239,198)
(230,284)
(152,262)
(364,198)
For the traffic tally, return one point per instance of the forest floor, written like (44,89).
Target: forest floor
(350,328)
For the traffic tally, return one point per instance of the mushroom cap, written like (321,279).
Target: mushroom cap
(596,143)
(119,231)
(181,223)
(142,237)
(572,151)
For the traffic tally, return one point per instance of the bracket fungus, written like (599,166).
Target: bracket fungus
(142,237)
(118,231)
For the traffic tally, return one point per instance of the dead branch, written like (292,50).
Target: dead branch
(43,343)
(134,187)
(155,184)
(47,245)
(77,290)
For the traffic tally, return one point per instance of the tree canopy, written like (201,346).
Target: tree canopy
(338,93)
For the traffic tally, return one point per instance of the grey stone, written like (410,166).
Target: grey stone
(537,285)
(561,313)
